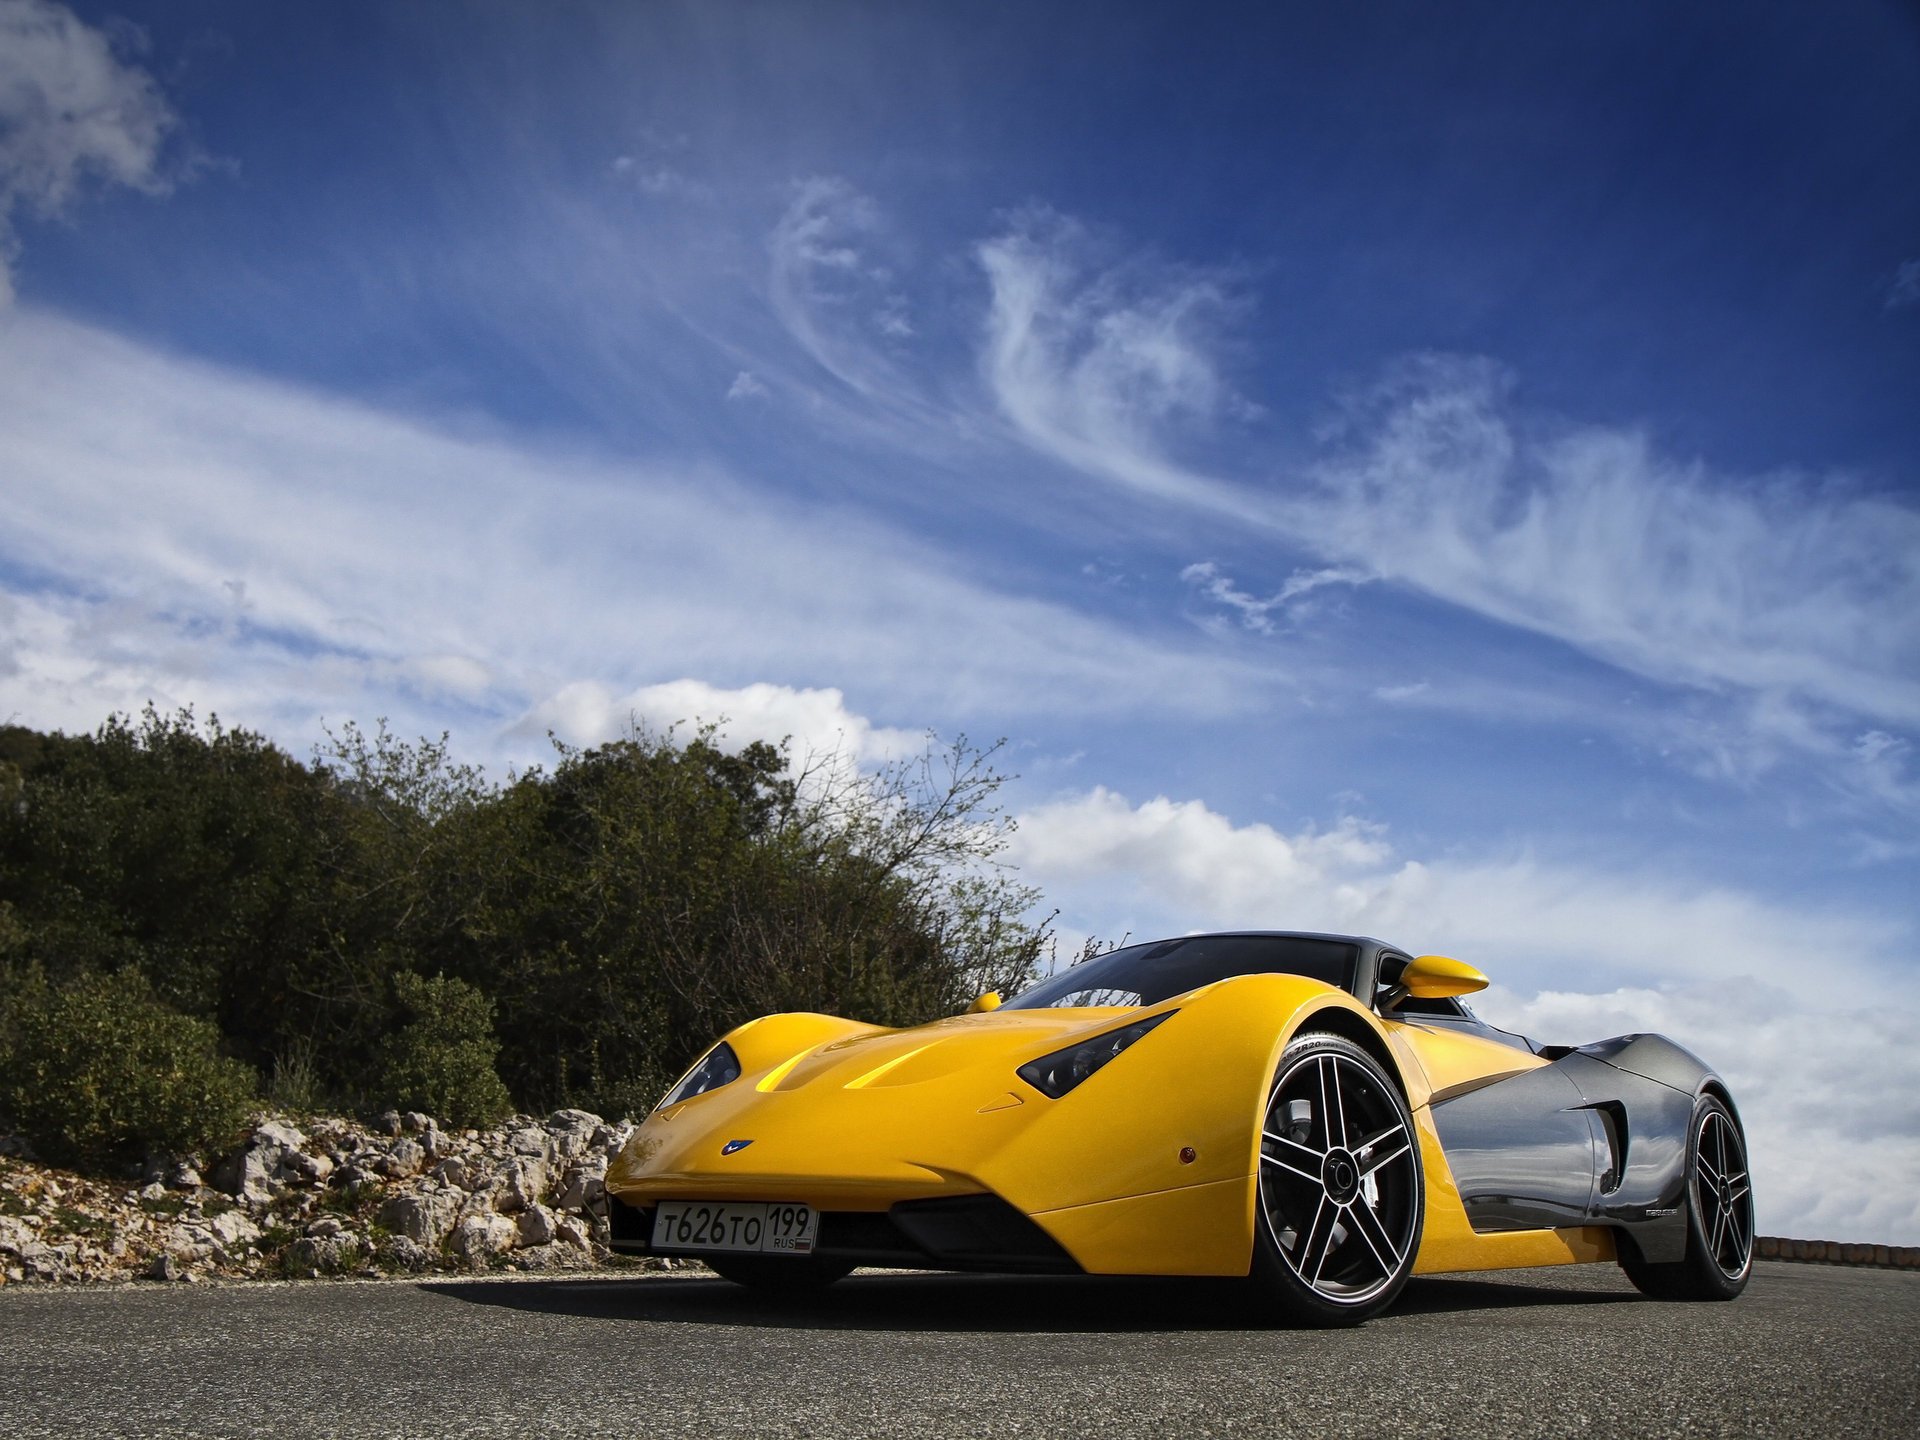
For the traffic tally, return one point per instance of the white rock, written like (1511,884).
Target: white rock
(233,1230)
(610,1137)
(354,1178)
(298,1165)
(523,1183)
(188,1243)
(181,1175)
(324,1253)
(408,1254)
(424,1218)
(534,1227)
(247,1174)
(583,1184)
(277,1135)
(568,1231)
(572,1131)
(531,1140)
(407,1157)
(479,1236)
(14,1235)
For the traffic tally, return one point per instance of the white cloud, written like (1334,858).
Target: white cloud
(817,722)
(1903,290)
(1255,612)
(1183,865)
(655,180)
(1090,369)
(387,565)
(832,287)
(1802,1012)
(1400,694)
(72,111)
(1800,593)
(1777,586)
(655,167)
(746,387)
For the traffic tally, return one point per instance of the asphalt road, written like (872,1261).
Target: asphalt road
(1808,1351)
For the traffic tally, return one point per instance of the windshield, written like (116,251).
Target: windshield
(1148,974)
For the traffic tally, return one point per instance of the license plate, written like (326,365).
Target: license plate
(715,1225)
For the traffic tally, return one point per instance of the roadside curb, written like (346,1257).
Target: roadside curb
(1834,1252)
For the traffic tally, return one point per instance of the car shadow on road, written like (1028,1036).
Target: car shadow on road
(977,1303)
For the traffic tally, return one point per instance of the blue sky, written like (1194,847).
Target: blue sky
(1447,472)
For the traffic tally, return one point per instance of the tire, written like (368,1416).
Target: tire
(772,1274)
(1341,1198)
(1719,1258)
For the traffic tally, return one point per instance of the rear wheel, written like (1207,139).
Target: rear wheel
(1341,1197)
(765,1272)
(1719,1256)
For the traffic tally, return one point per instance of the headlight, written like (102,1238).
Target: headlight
(716,1068)
(1054,1075)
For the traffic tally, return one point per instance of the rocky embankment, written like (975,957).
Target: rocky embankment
(325,1196)
(320,1197)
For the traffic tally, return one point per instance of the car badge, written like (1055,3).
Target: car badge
(733,1145)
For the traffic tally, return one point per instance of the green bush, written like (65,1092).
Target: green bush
(441,1059)
(100,1072)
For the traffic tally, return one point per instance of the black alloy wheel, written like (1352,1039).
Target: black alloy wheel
(1719,1258)
(1341,1192)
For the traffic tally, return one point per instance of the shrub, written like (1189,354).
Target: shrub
(441,1060)
(100,1072)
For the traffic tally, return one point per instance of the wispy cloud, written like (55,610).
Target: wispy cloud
(74,111)
(1903,289)
(1780,585)
(831,287)
(1257,612)
(655,166)
(1092,366)
(1801,592)
(385,562)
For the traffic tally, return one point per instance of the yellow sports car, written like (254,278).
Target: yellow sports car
(1318,1112)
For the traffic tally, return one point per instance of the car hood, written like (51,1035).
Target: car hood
(873,1057)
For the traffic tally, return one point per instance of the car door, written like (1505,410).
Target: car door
(1520,1143)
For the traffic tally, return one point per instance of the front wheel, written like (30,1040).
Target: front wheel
(764,1272)
(1341,1194)
(1719,1256)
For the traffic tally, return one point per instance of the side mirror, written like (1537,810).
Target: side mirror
(1433,977)
(991,1001)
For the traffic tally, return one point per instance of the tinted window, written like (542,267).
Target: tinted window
(1148,974)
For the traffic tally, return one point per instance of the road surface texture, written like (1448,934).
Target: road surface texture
(1810,1352)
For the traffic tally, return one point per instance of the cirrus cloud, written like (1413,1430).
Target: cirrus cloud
(1791,593)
